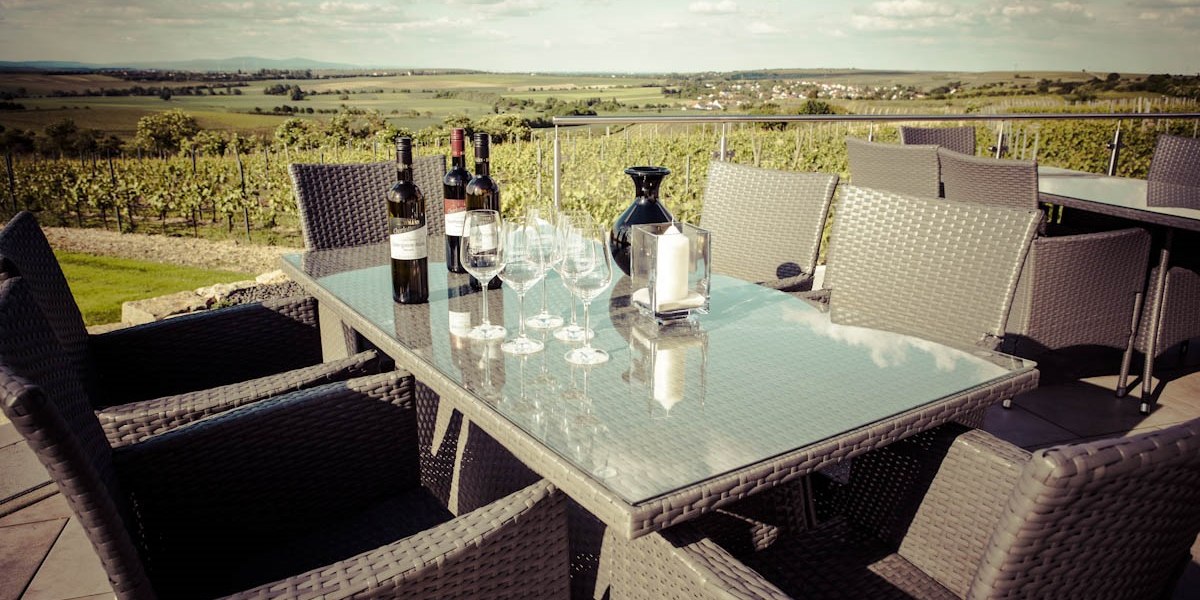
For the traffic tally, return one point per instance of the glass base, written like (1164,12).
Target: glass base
(522,345)
(487,331)
(544,320)
(587,356)
(574,333)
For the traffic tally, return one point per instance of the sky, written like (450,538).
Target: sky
(1132,36)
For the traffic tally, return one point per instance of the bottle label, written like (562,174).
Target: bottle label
(489,237)
(456,214)
(410,245)
(460,323)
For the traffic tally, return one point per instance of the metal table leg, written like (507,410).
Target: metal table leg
(1160,287)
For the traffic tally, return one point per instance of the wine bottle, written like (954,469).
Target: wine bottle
(407,233)
(454,189)
(482,191)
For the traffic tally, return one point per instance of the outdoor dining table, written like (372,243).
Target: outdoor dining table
(683,418)
(1137,200)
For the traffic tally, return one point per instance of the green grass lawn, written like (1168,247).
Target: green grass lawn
(100,283)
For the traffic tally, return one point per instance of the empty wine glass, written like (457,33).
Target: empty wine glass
(586,271)
(568,221)
(524,265)
(544,221)
(480,253)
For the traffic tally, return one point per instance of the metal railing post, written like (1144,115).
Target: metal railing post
(1115,146)
(557,172)
(723,128)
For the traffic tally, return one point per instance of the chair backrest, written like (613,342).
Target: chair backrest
(925,266)
(994,181)
(41,393)
(1176,160)
(346,205)
(24,244)
(1108,519)
(896,168)
(958,139)
(766,224)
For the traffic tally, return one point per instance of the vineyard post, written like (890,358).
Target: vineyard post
(112,176)
(687,175)
(242,176)
(12,180)
(198,208)
(539,170)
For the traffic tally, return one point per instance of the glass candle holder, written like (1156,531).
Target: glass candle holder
(670,270)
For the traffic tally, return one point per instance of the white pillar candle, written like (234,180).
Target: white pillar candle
(671,268)
(669,366)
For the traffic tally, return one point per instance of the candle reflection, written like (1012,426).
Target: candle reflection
(659,359)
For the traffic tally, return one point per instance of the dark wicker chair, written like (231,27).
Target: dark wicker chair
(925,266)
(310,493)
(346,205)
(958,139)
(151,378)
(1174,180)
(1075,291)
(954,513)
(911,170)
(766,224)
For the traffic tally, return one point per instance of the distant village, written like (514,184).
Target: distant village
(730,94)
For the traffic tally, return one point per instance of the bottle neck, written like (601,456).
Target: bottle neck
(404,173)
(458,162)
(404,164)
(483,168)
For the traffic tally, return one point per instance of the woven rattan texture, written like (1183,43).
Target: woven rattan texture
(136,421)
(346,205)
(41,394)
(766,224)
(924,266)
(958,139)
(1070,529)
(1179,318)
(896,168)
(1176,160)
(1079,290)
(992,181)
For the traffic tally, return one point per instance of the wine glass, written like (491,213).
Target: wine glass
(524,266)
(568,221)
(586,271)
(543,220)
(481,255)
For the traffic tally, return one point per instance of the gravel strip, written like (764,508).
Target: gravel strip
(192,252)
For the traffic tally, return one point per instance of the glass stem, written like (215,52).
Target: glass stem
(545,309)
(587,326)
(574,321)
(485,295)
(521,317)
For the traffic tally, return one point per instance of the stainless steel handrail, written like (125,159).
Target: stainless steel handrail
(1114,146)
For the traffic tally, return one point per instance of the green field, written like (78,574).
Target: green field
(100,284)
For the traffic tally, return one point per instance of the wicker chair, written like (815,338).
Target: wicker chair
(1174,180)
(767,224)
(954,513)
(313,492)
(151,378)
(346,205)
(1075,291)
(958,139)
(911,170)
(924,266)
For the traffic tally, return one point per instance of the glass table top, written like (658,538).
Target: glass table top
(1122,192)
(762,374)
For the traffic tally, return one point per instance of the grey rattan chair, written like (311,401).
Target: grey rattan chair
(896,168)
(1075,290)
(306,494)
(346,205)
(958,139)
(1174,180)
(925,266)
(952,514)
(151,378)
(766,224)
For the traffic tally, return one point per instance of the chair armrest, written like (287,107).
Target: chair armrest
(136,421)
(679,563)
(938,496)
(797,283)
(206,349)
(513,547)
(276,466)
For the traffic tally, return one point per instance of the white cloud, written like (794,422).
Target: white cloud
(1070,7)
(1020,10)
(722,7)
(761,28)
(902,9)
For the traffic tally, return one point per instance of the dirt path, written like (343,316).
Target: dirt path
(208,254)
